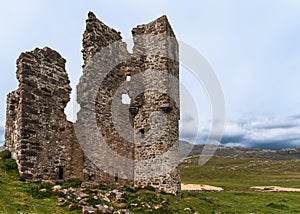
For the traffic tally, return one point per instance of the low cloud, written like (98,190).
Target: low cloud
(264,133)
(271,133)
(188,128)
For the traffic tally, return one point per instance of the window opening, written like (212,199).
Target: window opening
(142,133)
(116,177)
(60,173)
(126,99)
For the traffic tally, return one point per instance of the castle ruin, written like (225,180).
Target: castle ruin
(132,143)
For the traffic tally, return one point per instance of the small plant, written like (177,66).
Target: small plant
(150,188)
(186,194)
(164,193)
(5,155)
(7,163)
(92,201)
(21,178)
(278,206)
(104,187)
(40,190)
(75,183)
(129,189)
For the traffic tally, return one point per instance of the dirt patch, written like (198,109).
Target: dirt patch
(274,189)
(200,188)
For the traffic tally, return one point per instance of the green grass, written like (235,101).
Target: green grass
(234,175)
(240,174)
(239,202)
(21,197)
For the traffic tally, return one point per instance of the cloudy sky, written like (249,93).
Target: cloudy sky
(252,46)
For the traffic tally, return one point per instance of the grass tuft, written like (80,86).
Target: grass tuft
(75,183)
(7,163)
(278,206)
(39,190)
(5,155)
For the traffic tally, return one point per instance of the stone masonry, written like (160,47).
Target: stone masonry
(132,143)
(37,132)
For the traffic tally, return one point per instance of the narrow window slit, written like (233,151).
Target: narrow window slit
(116,177)
(60,173)
(142,133)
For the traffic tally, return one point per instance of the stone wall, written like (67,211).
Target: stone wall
(95,93)
(12,131)
(156,123)
(107,65)
(113,142)
(37,132)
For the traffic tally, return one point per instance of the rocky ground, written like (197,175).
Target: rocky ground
(91,199)
(274,189)
(200,188)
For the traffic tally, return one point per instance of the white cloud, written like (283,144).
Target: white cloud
(253,47)
(267,132)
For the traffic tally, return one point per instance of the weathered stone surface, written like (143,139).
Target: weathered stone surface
(162,72)
(37,132)
(56,188)
(154,59)
(105,208)
(79,195)
(45,144)
(118,194)
(96,37)
(102,197)
(88,209)
(124,211)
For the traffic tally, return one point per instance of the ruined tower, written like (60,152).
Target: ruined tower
(37,133)
(140,136)
(156,120)
(126,131)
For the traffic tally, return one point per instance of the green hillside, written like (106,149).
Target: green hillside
(236,176)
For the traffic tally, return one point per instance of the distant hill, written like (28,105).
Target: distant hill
(187,149)
(242,152)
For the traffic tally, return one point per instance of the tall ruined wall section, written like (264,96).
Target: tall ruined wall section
(156,123)
(129,138)
(113,142)
(97,94)
(12,130)
(37,132)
